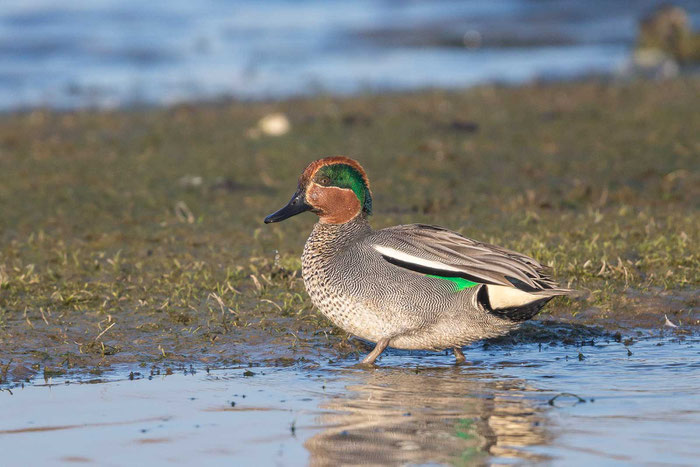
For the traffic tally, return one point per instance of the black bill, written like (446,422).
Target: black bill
(296,205)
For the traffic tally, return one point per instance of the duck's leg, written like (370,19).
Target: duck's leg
(459,356)
(378,349)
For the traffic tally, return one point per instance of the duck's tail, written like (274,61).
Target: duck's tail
(514,304)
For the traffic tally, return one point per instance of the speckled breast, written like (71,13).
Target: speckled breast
(332,297)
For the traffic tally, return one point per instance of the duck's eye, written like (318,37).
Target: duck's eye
(324,181)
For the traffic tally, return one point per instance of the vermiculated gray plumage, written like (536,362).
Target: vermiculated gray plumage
(368,295)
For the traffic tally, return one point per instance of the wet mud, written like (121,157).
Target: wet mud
(135,237)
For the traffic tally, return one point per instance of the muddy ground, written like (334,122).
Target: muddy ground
(136,237)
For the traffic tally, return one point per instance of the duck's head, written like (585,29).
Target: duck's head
(334,188)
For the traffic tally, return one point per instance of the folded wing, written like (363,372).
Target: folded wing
(512,279)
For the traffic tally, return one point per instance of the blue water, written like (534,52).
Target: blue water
(636,404)
(107,53)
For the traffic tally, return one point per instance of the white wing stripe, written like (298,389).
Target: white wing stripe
(405,257)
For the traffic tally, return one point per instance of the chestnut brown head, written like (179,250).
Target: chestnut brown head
(334,188)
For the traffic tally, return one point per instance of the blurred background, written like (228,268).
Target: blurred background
(112,53)
(132,243)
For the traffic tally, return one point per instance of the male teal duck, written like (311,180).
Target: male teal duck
(411,286)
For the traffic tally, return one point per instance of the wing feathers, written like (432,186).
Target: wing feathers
(434,250)
(400,256)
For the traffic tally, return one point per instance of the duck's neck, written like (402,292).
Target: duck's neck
(335,235)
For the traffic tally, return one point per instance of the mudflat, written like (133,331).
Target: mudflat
(136,237)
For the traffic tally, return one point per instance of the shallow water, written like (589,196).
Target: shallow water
(500,408)
(116,52)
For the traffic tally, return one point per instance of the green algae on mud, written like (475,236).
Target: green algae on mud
(137,236)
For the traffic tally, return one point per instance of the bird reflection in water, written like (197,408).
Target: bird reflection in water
(454,415)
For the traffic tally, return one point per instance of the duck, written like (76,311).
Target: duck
(414,286)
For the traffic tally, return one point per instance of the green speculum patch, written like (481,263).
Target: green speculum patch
(460,283)
(345,176)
